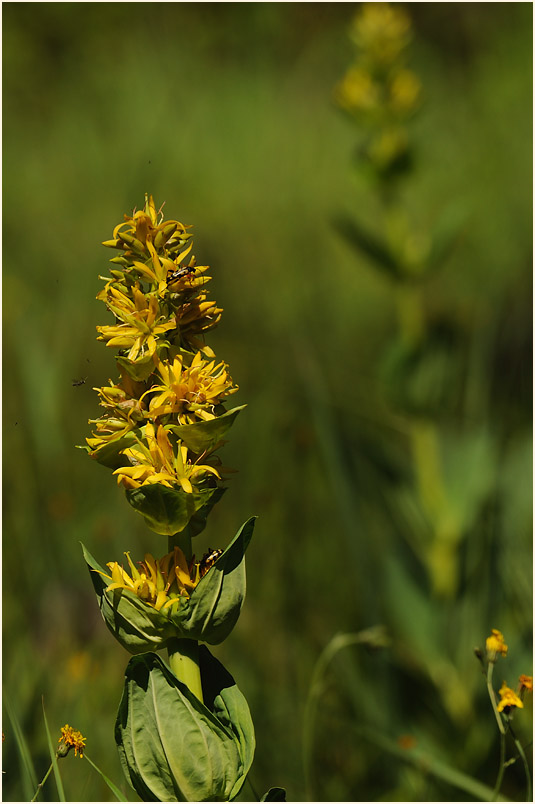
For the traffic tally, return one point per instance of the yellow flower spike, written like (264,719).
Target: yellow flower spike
(509,699)
(495,645)
(70,739)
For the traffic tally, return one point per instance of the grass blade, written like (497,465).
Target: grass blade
(114,789)
(59,783)
(29,777)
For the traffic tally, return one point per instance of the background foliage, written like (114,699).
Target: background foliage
(224,112)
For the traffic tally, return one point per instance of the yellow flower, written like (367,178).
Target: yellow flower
(495,645)
(358,92)
(525,684)
(405,92)
(158,463)
(509,698)
(191,392)
(70,739)
(381,31)
(159,582)
(142,321)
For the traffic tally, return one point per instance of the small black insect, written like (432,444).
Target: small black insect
(208,560)
(180,273)
(81,381)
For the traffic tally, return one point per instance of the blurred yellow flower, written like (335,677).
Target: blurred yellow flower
(357,91)
(159,582)
(495,645)
(525,684)
(405,91)
(508,698)
(70,739)
(382,31)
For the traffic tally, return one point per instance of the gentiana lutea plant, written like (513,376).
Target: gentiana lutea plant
(183,729)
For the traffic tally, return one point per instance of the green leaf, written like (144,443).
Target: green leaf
(168,511)
(364,241)
(28,777)
(114,789)
(52,751)
(215,604)
(203,436)
(447,232)
(136,625)
(108,454)
(138,370)
(209,615)
(174,748)
(275,794)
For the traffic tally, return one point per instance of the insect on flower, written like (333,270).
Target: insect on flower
(180,273)
(208,560)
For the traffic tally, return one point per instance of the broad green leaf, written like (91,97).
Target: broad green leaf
(275,794)
(203,436)
(215,604)
(168,511)
(173,747)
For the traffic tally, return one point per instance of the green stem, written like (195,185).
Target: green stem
(184,653)
(184,662)
(40,785)
(524,762)
(501,727)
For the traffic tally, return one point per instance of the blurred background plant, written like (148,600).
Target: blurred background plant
(387,443)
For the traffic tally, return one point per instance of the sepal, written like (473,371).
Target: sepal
(169,510)
(173,747)
(203,436)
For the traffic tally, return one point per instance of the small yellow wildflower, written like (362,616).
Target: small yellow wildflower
(159,582)
(495,645)
(70,739)
(509,698)
(525,684)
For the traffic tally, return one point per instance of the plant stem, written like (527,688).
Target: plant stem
(40,785)
(524,762)
(501,727)
(184,662)
(184,653)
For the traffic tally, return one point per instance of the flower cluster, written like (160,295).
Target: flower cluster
(169,380)
(70,739)
(379,90)
(510,699)
(160,582)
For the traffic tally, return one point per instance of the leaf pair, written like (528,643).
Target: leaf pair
(208,615)
(173,747)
